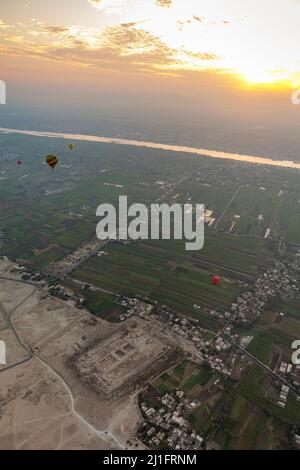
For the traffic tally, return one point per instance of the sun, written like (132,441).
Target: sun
(257,76)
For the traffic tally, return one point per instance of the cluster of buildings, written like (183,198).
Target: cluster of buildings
(213,312)
(134,306)
(283,396)
(291,373)
(187,328)
(27,274)
(165,425)
(214,351)
(285,368)
(216,354)
(61,292)
(71,262)
(50,284)
(280,281)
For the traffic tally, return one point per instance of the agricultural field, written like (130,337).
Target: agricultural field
(60,209)
(60,206)
(270,210)
(165,272)
(271,346)
(159,274)
(197,382)
(221,414)
(292,308)
(246,427)
(186,376)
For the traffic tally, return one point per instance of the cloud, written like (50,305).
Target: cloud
(164,3)
(95,3)
(55,29)
(119,47)
(110,6)
(3,25)
(198,18)
(126,46)
(163,35)
(203,55)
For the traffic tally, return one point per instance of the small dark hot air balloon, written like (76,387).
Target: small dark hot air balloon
(71,146)
(216,280)
(19,162)
(52,161)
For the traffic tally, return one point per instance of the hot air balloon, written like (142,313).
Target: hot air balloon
(216,280)
(19,162)
(52,161)
(71,146)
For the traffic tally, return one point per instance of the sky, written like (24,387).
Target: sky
(227,59)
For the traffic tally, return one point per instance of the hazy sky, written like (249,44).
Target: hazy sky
(256,39)
(224,57)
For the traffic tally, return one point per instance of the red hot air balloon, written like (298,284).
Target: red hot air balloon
(19,162)
(216,280)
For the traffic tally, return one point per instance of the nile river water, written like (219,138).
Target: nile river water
(254,159)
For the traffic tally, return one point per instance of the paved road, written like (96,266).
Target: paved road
(105,435)
(9,323)
(99,289)
(22,281)
(227,207)
(261,364)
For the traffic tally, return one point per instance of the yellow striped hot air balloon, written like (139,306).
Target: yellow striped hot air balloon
(52,161)
(71,146)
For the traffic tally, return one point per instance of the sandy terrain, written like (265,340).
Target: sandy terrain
(71,380)
(15,353)
(36,412)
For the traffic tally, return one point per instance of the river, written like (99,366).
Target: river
(254,159)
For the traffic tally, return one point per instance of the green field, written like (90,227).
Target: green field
(226,416)
(164,271)
(192,379)
(292,308)
(160,273)
(186,376)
